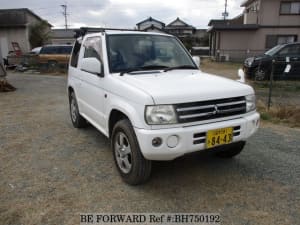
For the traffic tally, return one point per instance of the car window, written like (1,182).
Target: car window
(290,50)
(49,50)
(56,50)
(136,51)
(93,48)
(65,49)
(75,54)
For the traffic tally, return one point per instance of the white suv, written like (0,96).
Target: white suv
(146,93)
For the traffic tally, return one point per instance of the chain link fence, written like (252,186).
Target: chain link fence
(279,94)
(236,55)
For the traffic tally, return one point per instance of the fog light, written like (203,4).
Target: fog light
(172,141)
(156,142)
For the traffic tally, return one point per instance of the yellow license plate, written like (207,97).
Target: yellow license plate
(218,137)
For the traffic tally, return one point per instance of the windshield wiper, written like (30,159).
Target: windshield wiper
(129,71)
(153,67)
(181,67)
(148,67)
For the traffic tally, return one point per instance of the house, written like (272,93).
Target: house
(151,25)
(177,27)
(188,34)
(14,27)
(62,36)
(262,25)
(180,28)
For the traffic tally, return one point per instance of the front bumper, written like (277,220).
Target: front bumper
(189,138)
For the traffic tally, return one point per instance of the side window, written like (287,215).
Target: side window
(48,50)
(93,48)
(290,51)
(75,54)
(65,50)
(53,50)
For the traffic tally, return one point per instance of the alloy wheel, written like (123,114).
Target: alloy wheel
(122,150)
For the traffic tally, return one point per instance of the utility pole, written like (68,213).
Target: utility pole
(65,15)
(225,13)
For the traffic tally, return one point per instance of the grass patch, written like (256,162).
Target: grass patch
(225,69)
(280,114)
(288,86)
(265,116)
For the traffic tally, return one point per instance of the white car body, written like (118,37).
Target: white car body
(98,96)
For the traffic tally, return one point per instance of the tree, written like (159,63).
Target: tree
(39,34)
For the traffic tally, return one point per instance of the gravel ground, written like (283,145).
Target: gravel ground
(51,172)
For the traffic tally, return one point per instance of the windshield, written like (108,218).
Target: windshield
(143,51)
(273,51)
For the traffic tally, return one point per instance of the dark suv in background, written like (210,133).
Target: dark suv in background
(260,67)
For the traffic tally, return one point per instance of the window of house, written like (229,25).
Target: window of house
(254,7)
(290,8)
(273,40)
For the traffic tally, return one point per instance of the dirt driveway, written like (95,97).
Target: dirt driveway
(51,172)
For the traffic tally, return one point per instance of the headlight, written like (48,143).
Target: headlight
(249,61)
(160,114)
(250,103)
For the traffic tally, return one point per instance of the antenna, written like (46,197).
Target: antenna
(225,13)
(65,15)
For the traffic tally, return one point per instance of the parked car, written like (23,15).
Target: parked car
(145,92)
(53,55)
(260,67)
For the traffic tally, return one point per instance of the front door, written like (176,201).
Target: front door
(288,55)
(92,92)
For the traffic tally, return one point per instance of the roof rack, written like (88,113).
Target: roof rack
(82,31)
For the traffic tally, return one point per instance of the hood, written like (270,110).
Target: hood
(180,86)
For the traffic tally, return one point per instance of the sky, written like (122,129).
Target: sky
(126,13)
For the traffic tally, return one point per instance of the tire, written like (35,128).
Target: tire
(131,164)
(77,120)
(260,74)
(232,150)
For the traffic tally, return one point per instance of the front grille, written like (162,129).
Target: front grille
(212,109)
(200,138)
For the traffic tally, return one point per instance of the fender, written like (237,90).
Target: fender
(134,111)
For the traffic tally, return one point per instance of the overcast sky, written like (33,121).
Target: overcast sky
(126,13)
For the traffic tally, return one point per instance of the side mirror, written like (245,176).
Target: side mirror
(241,75)
(92,65)
(197,60)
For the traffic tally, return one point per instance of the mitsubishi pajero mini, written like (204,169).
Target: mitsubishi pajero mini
(146,93)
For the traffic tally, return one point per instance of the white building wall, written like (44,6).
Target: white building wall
(18,35)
